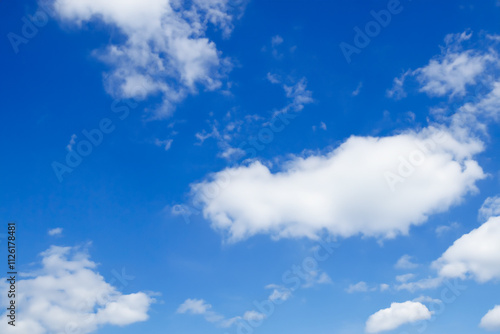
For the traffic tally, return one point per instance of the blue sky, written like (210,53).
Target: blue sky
(243,175)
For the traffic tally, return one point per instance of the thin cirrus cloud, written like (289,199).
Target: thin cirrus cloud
(366,186)
(67,295)
(165,51)
(397,315)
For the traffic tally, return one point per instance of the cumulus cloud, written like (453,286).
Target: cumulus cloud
(164,50)
(68,295)
(491,321)
(397,315)
(474,255)
(366,186)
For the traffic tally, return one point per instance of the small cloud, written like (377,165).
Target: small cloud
(405,263)
(253,316)
(358,89)
(397,315)
(322,126)
(276,40)
(279,292)
(194,306)
(358,287)
(397,91)
(384,287)
(404,278)
(71,143)
(232,153)
(273,78)
(166,144)
(443,229)
(55,231)
(410,116)
(490,208)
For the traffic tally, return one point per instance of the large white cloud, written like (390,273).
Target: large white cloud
(475,254)
(396,315)
(491,321)
(370,186)
(67,296)
(164,49)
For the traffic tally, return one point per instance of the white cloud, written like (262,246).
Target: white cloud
(451,72)
(491,321)
(194,306)
(476,254)
(253,316)
(404,278)
(397,91)
(299,96)
(273,78)
(346,191)
(357,90)
(442,229)
(67,294)
(279,293)
(397,315)
(164,50)
(358,287)
(276,40)
(404,262)
(490,208)
(55,231)
(423,284)
(200,307)
(166,144)
(71,143)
